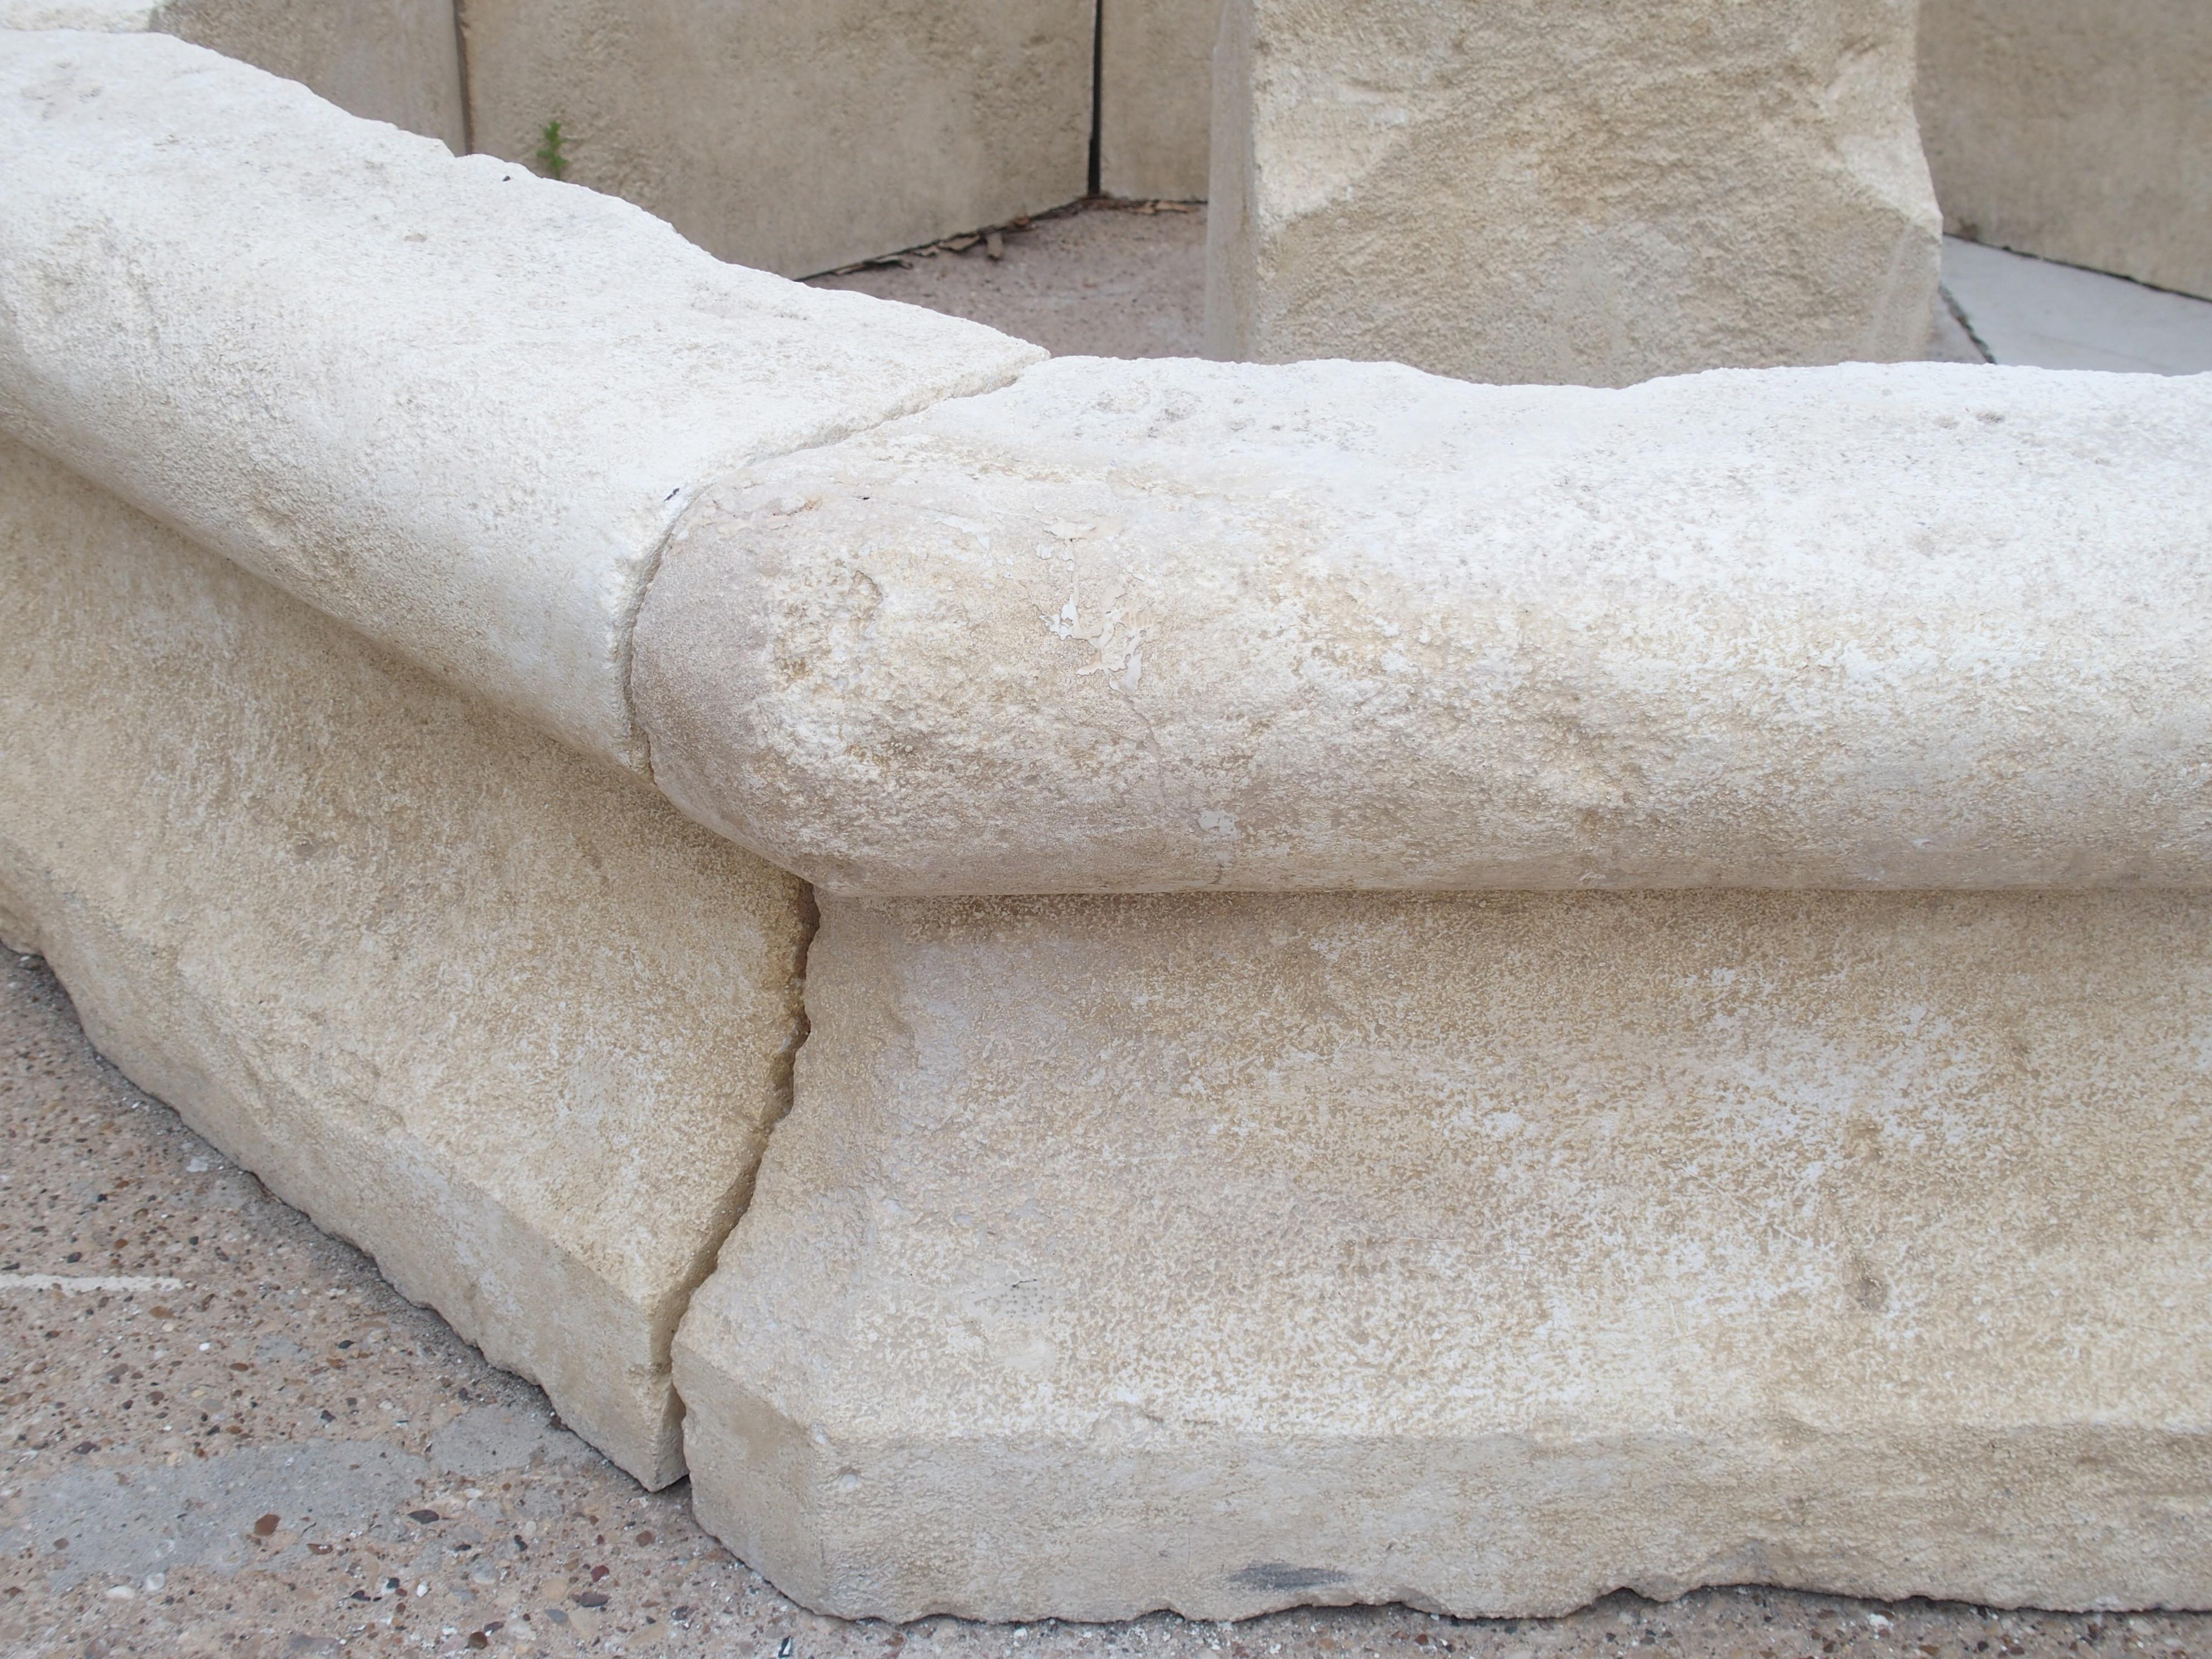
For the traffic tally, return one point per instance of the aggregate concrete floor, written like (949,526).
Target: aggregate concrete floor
(221,1433)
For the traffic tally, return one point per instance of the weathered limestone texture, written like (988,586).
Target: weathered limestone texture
(478,1002)
(449,403)
(1225,1253)
(1155,96)
(121,16)
(386,60)
(1152,626)
(797,137)
(2076,130)
(1521,192)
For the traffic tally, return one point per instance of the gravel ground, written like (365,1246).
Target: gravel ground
(222,1433)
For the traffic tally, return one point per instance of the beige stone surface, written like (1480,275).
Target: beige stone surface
(386,60)
(796,138)
(483,1005)
(1145,626)
(2075,129)
(1482,1253)
(451,404)
(1155,96)
(1593,194)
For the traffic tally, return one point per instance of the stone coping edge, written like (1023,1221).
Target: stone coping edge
(876,595)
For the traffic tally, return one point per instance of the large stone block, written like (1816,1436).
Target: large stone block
(1155,96)
(797,137)
(450,403)
(1522,191)
(2076,130)
(1149,626)
(1223,1252)
(483,1005)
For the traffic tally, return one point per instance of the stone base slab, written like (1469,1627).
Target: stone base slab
(1483,1253)
(487,1007)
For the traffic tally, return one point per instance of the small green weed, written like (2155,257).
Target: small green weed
(550,162)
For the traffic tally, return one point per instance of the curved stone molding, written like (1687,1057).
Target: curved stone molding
(1126,627)
(449,403)
(1218,1250)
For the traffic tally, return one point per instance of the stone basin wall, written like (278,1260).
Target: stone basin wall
(1089,986)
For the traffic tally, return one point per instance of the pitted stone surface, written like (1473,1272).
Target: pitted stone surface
(1486,1253)
(94,1365)
(1143,626)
